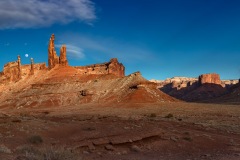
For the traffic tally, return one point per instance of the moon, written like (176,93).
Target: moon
(26,55)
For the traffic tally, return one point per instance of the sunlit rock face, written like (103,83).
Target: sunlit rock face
(212,78)
(63,56)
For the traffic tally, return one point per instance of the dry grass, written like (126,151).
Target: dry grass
(35,139)
(47,153)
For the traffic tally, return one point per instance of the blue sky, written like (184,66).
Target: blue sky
(162,39)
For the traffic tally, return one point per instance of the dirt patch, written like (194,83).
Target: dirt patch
(123,131)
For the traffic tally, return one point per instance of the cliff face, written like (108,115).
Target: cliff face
(116,68)
(11,71)
(112,67)
(212,78)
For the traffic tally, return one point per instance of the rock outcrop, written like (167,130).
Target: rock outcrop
(64,86)
(206,86)
(116,68)
(63,56)
(32,67)
(19,67)
(112,67)
(212,78)
(229,83)
(53,59)
(12,71)
(176,82)
(61,84)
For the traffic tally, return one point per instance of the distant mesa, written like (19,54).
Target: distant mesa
(205,87)
(211,78)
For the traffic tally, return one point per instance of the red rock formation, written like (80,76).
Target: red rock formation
(116,68)
(53,59)
(112,67)
(210,78)
(63,56)
(19,67)
(32,67)
(12,71)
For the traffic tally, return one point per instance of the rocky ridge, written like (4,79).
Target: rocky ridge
(60,84)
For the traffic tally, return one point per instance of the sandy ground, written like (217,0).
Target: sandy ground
(136,131)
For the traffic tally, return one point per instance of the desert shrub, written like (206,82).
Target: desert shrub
(153,115)
(16,121)
(46,112)
(89,128)
(4,149)
(35,139)
(186,133)
(169,115)
(187,138)
(26,150)
(49,153)
(57,153)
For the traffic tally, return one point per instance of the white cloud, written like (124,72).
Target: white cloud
(42,13)
(73,51)
(109,47)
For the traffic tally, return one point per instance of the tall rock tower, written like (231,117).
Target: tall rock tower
(32,67)
(19,67)
(53,59)
(63,56)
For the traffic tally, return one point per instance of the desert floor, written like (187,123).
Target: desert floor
(138,131)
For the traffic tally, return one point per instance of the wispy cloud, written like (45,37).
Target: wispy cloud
(73,51)
(108,47)
(6,44)
(42,13)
